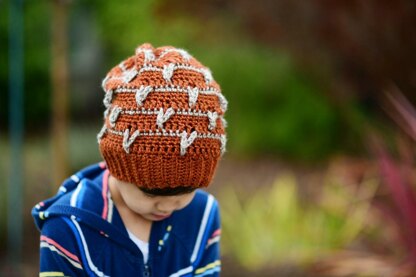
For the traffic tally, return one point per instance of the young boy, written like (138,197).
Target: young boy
(140,213)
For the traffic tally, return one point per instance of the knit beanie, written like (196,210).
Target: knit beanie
(163,123)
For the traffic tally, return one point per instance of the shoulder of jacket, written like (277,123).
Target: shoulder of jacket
(201,199)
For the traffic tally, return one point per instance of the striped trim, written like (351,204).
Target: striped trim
(51,274)
(167,72)
(110,207)
(39,205)
(62,189)
(165,238)
(209,272)
(75,178)
(216,236)
(148,54)
(91,265)
(86,251)
(216,233)
(105,194)
(169,88)
(182,272)
(43,215)
(56,247)
(169,133)
(201,232)
(66,252)
(208,267)
(212,241)
(102,165)
(185,55)
(155,112)
(172,67)
(122,66)
(74,196)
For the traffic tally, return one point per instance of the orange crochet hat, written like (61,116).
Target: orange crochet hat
(164,124)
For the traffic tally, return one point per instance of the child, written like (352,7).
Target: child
(140,213)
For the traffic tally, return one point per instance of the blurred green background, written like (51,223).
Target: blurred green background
(306,84)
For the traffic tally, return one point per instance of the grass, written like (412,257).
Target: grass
(273,226)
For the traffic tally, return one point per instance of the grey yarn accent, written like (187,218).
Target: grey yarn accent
(187,141)
(142,93)
(128,140)
(223,102)
(115,112)
(108,98)
(193,96)
(162,117)
(207,75)
(129,75)
(168,71)
(212,116)
(224,122)
(101,133)
(223,144)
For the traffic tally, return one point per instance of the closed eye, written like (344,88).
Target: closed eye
(149,195)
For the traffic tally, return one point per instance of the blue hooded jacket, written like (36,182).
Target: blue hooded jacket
(82,234)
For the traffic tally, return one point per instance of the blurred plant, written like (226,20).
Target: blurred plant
(120,28)
(396,202)
(399,204)
(273,105)
(349,48)
(4,169)
(272,226)
(352,46)
(36,59)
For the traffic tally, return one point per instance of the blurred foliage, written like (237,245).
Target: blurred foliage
(3,187)
(352,49)
(273,106)
(273,225)
(36,171)
(397,168)
(361,45)
(36,62)
(276,107)
(126,24)
(4,66)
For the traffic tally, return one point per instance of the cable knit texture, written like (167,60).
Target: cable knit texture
(163,124)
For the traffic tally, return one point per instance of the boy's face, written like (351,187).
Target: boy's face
(150,207)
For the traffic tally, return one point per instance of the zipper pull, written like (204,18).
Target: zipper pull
(146,272)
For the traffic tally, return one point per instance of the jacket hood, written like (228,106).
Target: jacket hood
(70,194)
(85,196)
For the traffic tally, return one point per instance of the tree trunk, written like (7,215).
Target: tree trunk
(59,77)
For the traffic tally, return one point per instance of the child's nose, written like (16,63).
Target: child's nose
(167,206)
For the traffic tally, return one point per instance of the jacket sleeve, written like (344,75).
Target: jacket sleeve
(59,255)
(210,264)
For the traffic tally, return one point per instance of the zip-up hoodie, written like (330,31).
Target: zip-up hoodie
(82,234)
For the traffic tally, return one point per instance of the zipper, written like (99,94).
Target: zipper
(146,272)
